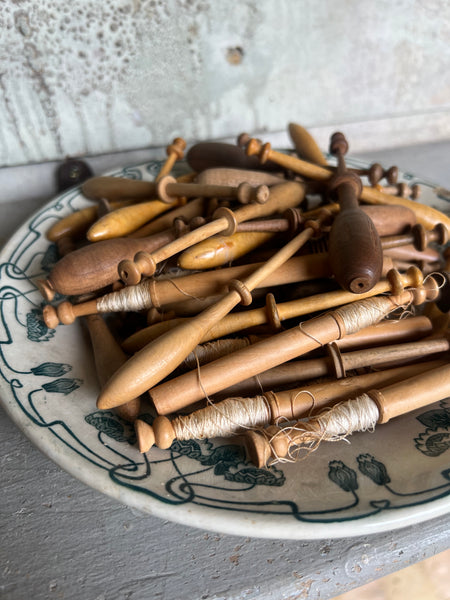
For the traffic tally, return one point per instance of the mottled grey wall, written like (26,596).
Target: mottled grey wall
(91,77)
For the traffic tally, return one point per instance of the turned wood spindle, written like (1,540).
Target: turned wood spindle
(295,371)
(426,215)
(356,256)
(281,347)
(419,237)
(94,266)
(235,415)
(172,347)
(108,357)
(276,313)
(283,196)
(175,151)
(220,249)
(377,406)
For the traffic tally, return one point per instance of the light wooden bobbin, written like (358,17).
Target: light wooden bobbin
(305,145)
(394,283)
(270,352)
(236,415)
(175,151)
(282,197)
(175,345)
(426,215)
(275,443)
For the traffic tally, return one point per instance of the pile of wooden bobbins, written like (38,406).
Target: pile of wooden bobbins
(263,294)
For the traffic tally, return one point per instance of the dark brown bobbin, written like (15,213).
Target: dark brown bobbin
(422,237)
(180,226)
(273,316)
(295,219)
(338,144)
(335,356)
(242,290)
(196,222)
(130,270)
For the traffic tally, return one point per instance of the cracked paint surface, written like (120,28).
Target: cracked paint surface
(89,78)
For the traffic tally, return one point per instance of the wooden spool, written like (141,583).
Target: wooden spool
(426,215)
(288,405)
(94,266)
(176,344)
(391,401)
(108,357)
(283,196)
(186,389)
(356,256)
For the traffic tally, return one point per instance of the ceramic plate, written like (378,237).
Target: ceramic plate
(393,477)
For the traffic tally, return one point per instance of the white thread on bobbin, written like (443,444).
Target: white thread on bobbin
(131,298)
(331,425)
(363,313)
(223,419)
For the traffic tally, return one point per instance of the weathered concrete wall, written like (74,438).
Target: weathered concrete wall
(91,77)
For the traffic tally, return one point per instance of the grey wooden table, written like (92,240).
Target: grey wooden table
(61,539)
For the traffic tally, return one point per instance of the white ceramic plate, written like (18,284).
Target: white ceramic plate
(397,476)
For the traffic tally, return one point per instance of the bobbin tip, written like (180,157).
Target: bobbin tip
(257,448)
(50,316)
(46,289)
(145,435)
(129,272)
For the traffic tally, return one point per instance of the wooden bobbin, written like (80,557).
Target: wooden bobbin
(108,357)
(402,189)
(234,177)
(232,323)
(207,155)
(282,197)
(391,401)
(356,256)
(118,188)
(293,372)
(176,344)
(289,404)
(186,389)
(127,219)
(221,250)
(175,151)
(75,225)
(168,190)
(188,211)
(305,145)
(419,237)
(94,266)
(426,215)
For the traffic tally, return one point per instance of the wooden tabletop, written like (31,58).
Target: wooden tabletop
(61,539)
